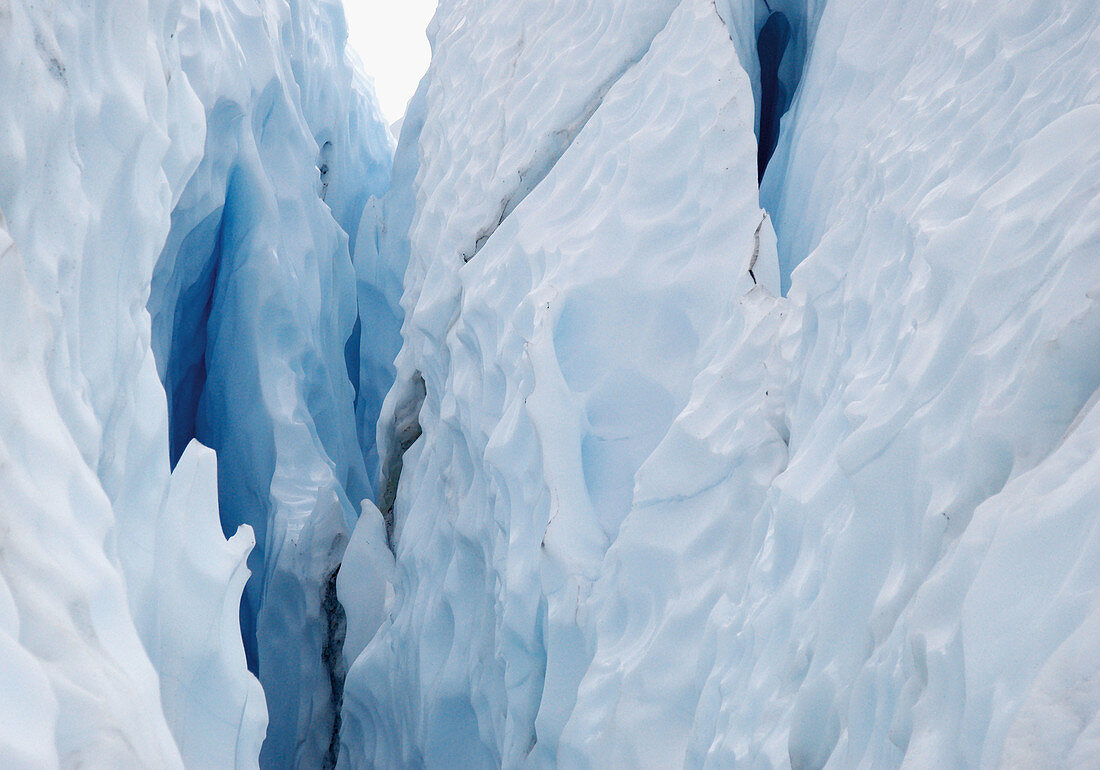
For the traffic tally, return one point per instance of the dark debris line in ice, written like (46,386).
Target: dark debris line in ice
(332,656)
(560,142)
(406,430)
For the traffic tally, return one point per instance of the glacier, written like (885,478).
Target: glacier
(178,181)
(707,474)
(692,383)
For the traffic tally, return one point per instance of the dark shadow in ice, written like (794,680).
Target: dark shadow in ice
(775,97)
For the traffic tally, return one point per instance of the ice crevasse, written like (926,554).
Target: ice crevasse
(177,181)
(701,383)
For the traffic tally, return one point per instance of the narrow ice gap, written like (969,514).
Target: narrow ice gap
(621,498)
(783,39)
(771,46)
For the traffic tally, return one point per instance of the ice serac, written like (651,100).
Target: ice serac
(575,333)
(256,329)
(98,134)
(203,161)
(688,494)
(196,646)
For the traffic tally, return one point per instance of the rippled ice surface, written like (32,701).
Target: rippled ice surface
(664,512)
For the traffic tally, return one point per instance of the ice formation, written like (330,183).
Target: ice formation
(699,383)
(204,159)
(685,494)
(254,316)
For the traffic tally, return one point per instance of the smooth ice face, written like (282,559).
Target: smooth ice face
(196,648)
(657,516)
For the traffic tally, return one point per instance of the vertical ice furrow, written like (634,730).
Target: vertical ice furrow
(295,147)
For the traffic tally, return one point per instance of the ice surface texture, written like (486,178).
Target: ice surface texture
(841,512)
(254,314)
(107,563)
(204,158)
(653,487)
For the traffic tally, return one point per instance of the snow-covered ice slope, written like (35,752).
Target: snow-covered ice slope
(127,129)
(659,516)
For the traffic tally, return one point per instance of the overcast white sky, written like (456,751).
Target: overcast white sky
(389,37)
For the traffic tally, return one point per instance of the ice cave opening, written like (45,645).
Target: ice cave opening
(784,31)
(771,45)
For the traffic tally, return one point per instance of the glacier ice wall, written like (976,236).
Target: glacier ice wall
(665,489)
(98,590)
(680,466)
(585,416)
(177,178)
(254,314)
